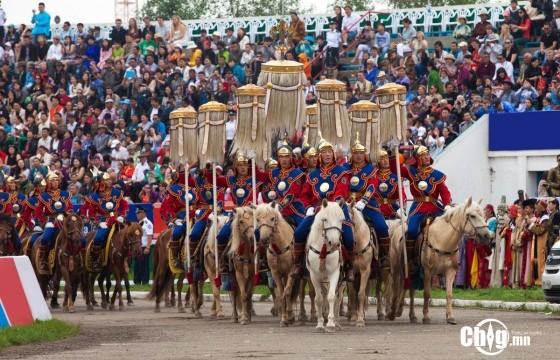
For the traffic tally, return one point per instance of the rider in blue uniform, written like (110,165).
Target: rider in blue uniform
(329,181)
(363,183)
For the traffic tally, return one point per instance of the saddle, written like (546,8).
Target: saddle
(88,263)
(182,255)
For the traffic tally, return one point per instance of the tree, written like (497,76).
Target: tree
(357,5)
(410,4)
(186,10)
(246,8)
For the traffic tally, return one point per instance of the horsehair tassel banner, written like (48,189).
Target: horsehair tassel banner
(332,115)
(392,115)
(212,118)
(364,119)
(183,133)
(311,125)
(251,123)
(285,99)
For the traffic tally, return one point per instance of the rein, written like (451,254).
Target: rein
(451,253)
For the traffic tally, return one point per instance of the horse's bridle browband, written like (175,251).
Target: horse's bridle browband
(451,253)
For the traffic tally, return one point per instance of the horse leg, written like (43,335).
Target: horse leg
(339,296)
(449,278)
(280,303)
(275,304)
(383,279)
(362,298)
(56,287)
(194,300)
(312,294)
(119,288)
(427,295)
(127,287)
(333,281)
(170,302)
(180,305)
(101,283)
(68,304)
(302,318)
(320,328)
(242,288)
(411,313)
(234,303)
(352,296)
(108,284)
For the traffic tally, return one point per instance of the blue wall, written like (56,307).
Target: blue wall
(524,131)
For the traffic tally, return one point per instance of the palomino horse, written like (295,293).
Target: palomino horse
(7,236)
(163,276)
(364,255)
(243,255)
(276,235)
(439,253)
(210,265)
(324,260)
(69,258)
(123,241)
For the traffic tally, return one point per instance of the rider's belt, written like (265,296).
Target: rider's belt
(355,195)
(386,201)
(205,207)
(424,199)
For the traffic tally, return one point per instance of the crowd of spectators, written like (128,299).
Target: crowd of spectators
(79,101)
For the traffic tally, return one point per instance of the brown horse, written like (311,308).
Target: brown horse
(163,276)
(7,236)
(69,258)
(210,264)
(243,255)
(124,240)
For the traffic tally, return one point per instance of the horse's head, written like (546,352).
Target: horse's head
(74,228)
(268,218)
(243,221)
(472,220)
(328,223)
(132,238)
(7,236)
(222,220)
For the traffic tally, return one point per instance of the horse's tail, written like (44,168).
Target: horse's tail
(162,274)
(395,282)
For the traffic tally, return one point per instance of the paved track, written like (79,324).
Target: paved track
(139,333)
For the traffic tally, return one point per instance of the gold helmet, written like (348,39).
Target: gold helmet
(105,176)
(10,179)
(52,176)
(306,149)
(284,150)
(323,144)
(271,164)
(383,154)
(420,150)
(241,159)
(357,147)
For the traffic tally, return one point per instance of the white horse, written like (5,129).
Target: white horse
(210,263)
(439,255)
(324,260)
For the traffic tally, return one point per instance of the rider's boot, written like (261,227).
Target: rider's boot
(299,258)
(349,271)
(412,261)
(222,258)
(96,258)
(195,260)
(384,244)
(43,254)
(175,247)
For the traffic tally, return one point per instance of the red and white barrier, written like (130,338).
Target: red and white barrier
(21,300)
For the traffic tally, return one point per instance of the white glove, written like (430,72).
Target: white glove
(360,205)
(60,217)
(447,207)
(49,225)
(170,224)
(37,228)
(310,211)
(197,212)
(179,222)
(120,220)
(228,191)
(103,225)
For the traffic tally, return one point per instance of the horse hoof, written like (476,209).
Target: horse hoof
(330,329)
(90,307)
(390,316)
(292,320)
(380,317)
(360,323)
(112,307)
(244,322)
(283,324)
(157,310)
(212,317)
(198,315)
(104,306)
(71,309)
(130,303)
(352,322)
(182,310)
(414,320)
(274,311)
(168,305)
(220,317)
(338,327)
(55,306)
(121,308)
(172,303)
(95,303)
(319,329)
(303,319)
(234,320)
(452,321)
(426,321)
(313,319)
(65,309)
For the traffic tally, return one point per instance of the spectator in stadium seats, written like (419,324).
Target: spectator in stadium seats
(401,78)
(547,104)
(41,21)
(466,123)
(267,49)
(529,106)
(148,28)
(382,40)
(439,54)
(133,30)
(371,70)
(508,95)
(364,86)
(350,25)
(235,53)
(511,53)
(524,29)
(462,31)
(527,91)
(434,80)
(296,29)
(549,41)
(306,46)
(486,68)
(480,27)
(242,38)
(230,37)
(502,63)
(555,21)
(338,18)
(492,47)
(533,72)
(118,33)
(505,35)
(418,43)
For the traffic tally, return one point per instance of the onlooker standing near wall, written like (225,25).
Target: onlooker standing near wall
(553,179)
(42,22)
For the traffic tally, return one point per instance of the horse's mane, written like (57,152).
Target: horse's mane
(236,235)
(358,220)
(5,218)
(331,211)
(461,210)
(215,228)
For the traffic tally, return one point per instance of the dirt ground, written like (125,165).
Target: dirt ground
(139,333)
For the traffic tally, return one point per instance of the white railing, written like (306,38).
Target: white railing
(424,19)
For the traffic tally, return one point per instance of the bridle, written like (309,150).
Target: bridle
(469,235)
(273,248)
(326,240)
(127,243)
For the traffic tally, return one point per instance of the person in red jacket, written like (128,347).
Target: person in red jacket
(430,196)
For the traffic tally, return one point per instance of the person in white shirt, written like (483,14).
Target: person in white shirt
(350,25)
(333,39)
(142,268)
(506,65)
(45,139)
(162,29)
(137,181)
(3,19)
(55,50)
(248,55)
(231,128)
(118,154)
